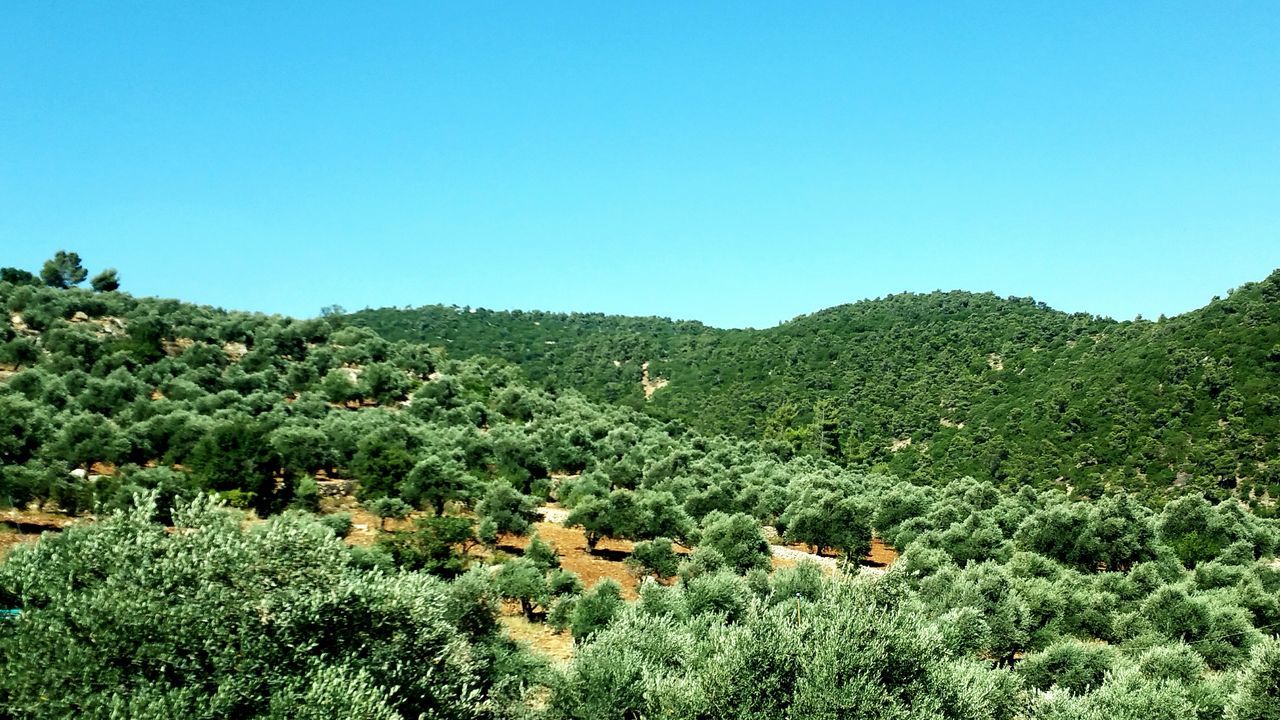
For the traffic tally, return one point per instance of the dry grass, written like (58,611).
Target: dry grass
(538,637)
(364,524)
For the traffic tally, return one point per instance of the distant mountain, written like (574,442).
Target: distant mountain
(933,385)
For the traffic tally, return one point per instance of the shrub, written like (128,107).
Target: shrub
(656,557)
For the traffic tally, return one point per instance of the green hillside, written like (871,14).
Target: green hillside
(1008,389)
(215,462)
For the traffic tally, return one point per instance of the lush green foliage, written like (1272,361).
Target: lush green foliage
(858,652)
(1014,596)
(1006,389)
(123,619)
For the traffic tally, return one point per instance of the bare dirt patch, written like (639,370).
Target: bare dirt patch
(26,526)
(571,545)
(177,346)
(35,520)
(650,386)
(880,557)
(19,325)
(553,513)
(10,540)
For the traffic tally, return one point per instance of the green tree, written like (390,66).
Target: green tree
(738,539)
(664,517)
(389,508)
(86,438)
(1071,665)
(106,281)
(862,652)
(619,515)
(1257,694)
(19,352)
(1191,528)
(596,608)
(435,480)
(385,383)
(63,270)
(541,554)
(436,545)
(829,521)
(304,450)
(338,387)
(236,456)
(18,276)
(23,428)
(381,463)
(655,556)
(509,509)
(523,580)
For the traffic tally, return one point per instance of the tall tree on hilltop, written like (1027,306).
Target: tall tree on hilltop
(106,281)
(63,270)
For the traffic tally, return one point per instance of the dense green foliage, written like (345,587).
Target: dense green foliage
(1013,598)
(121,619)
(1006,389)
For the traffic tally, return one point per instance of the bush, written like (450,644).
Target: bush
(436,545)
(1172,662)
(306,495)
(701,561)
(339,523)
(1257,694)
(656,557)
(723,593)
(802,581)
(541,554)
(1071,665)
(564,583)
(739,541)
(560,616)
(858,653)
(511,511)
(596,608)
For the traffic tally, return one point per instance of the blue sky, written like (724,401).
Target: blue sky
(738,163)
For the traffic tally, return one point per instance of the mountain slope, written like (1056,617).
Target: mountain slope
(934,385)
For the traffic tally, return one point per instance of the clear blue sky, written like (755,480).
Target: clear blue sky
(738,163)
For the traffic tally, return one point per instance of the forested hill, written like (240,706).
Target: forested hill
(301,519)
(934,385)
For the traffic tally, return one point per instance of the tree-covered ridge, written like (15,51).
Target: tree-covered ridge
(600,353)
(937,385)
